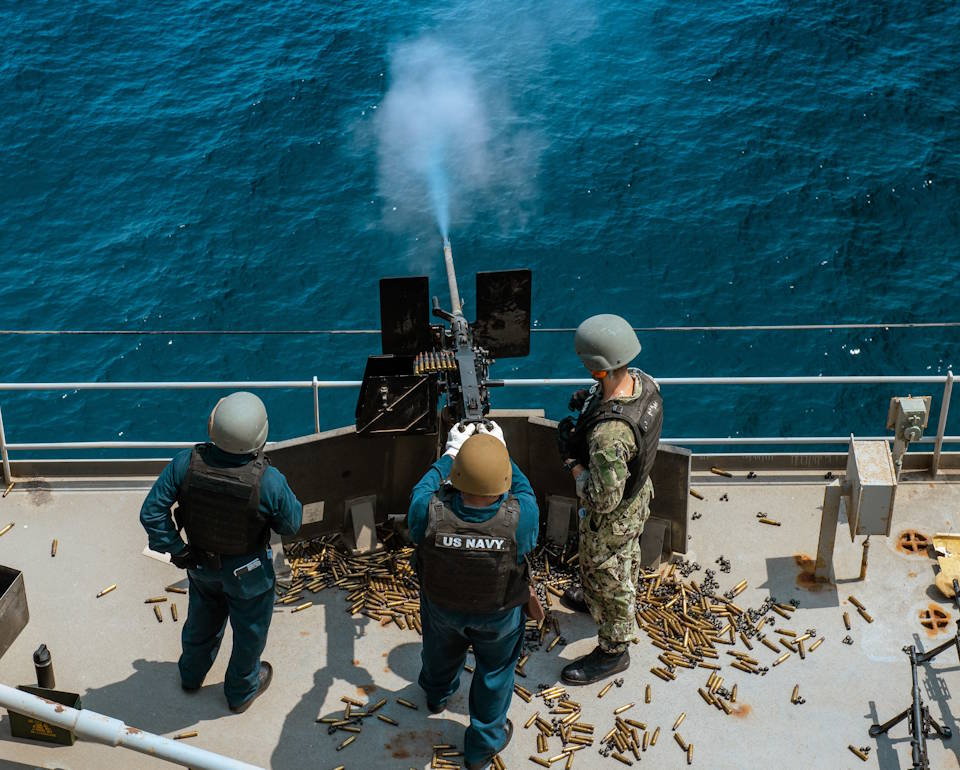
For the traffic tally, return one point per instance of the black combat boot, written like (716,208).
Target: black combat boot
(264,677)
(573,599)
(595,666)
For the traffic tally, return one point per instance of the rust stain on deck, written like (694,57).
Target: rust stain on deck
(741,710)
(413,743)
(366,689)
(934,619)
(805,578)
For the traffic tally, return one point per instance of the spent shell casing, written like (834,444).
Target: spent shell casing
(53,548)
(9,488)
(856,602)
(7,528)
(647,694)
(175,589)
(796,693)
(155,600)
(156,611)
(720,472)
(531,720)
(553,644)
(733,694)
(696,494)
(683,715)
(346,743)
(857,751)
(378,705)
(782,658)
(108,589)
(771,522)
(408,704)
(690,754)
(173,612)
(846,620)
(301,607)
(816,644)
(653,738)
(541,743)
(620,710)
(620,758)
(388,720)
(350,701)
(680,742)
(646,740)
(605,689)
(188,734)
(537,760)
(865,615)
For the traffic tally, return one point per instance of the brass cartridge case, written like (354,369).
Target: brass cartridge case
(155,600)
(173,612)
(816,644)
(156,611)
(108,589)
(683,715)
(388,720)
(188,734)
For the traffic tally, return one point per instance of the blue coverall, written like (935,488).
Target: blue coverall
(496,638)
(218,594)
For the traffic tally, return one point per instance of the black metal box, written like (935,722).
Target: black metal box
(22,726)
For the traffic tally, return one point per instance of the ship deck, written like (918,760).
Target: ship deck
(114,653)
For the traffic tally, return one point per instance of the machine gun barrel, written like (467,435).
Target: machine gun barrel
(918,719)
(455,307)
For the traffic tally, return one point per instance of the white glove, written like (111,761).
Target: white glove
(458,434)
(493,429)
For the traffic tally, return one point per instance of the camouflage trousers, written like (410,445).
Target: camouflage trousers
(610,568)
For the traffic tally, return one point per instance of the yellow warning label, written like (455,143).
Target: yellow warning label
(41,728)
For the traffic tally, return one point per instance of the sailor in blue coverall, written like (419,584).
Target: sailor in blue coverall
(229,499)
(473,535)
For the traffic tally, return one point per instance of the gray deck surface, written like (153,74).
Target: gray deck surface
(123,663)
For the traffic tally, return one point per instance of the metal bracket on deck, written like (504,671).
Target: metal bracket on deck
(360,516)
(835,492)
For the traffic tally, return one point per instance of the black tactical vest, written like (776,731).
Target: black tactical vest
(472,566)
(645,418)
(220,507)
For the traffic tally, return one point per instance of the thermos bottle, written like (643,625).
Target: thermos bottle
(44,666)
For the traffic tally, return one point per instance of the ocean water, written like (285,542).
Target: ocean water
(228,166)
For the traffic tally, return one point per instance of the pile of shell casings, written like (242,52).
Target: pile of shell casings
(565,715)
(351,721)
(381,585)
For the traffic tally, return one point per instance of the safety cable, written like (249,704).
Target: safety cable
(536,330)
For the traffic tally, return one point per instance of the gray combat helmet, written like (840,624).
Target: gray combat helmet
(605,342)
(238,423)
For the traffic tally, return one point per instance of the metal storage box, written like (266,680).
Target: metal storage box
(13,606)
(873,486)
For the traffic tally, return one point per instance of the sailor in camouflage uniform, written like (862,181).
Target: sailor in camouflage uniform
(610,449)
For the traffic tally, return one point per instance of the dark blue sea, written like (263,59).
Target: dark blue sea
(172,166)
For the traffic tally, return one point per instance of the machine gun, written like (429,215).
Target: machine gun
(421,361)
(918,714)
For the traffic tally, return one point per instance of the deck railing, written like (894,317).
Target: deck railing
(316,385)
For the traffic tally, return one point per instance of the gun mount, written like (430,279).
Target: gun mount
(422,361)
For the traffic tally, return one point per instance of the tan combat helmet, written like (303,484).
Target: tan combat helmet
(238,423)
(482,466)
(606,342)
